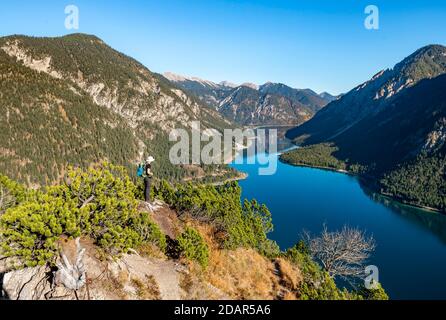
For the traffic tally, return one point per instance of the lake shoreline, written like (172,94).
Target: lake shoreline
(304,199)
(240,177)
(368,182)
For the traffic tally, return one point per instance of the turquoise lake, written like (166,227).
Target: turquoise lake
(411,243)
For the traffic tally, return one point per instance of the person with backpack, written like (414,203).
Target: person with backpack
(145,171)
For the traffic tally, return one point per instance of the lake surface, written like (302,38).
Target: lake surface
(411,243)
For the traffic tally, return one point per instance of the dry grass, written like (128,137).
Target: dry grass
(290,296)
(187,282)
(114,285)
(148,290)
(242,274)
(239,274)
(168,222)
(151,250)
(231,274)
(290,275)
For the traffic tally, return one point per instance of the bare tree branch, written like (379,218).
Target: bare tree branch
(86,202)
(341,253)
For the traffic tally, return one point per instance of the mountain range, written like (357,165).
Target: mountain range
(250,104)
(74,100)
(393,127)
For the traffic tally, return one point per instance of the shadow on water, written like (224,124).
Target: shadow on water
(434,222)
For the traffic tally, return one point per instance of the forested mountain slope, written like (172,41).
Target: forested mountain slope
(372,97)
(392,128)
(75,100)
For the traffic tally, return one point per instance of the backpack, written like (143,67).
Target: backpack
(140,171)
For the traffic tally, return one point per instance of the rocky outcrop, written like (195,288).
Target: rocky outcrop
(13,49)
(131,277)
(125,87)
(71,270)
(82,272)
(436,139)
(26,284)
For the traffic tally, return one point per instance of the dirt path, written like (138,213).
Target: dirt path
(164,217)
(165,273)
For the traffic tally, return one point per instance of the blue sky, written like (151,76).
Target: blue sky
(318,44)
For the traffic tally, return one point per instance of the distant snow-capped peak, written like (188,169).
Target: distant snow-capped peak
(228,84)
(179,78)
(174,77)
(250,85)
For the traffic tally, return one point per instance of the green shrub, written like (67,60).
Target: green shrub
(11,193)
(258,221)
(245,225)
(104,203)
(149,231)
(96,203)
(374,294)
(193,247)
(316,284)
(30,231)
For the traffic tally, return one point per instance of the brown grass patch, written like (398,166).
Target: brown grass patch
(148,290)
(290,275)
(242,274)
(151,250)
(114,285)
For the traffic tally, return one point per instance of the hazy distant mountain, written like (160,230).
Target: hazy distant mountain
(395,126)
(328,97)
(75,100)
(250,104)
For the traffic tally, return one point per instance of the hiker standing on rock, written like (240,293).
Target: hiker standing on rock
(145,171)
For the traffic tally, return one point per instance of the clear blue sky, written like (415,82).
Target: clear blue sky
(318,44)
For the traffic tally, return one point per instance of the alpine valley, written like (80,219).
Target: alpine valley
(77,116)
(390,130)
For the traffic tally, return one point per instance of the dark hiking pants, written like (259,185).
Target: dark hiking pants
(147,185)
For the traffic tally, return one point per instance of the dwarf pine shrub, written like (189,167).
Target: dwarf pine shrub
(97,203)
(193,246)
(243,224)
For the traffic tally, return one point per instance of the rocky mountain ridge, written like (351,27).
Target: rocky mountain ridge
(251,104)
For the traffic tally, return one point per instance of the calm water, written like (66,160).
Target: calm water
(411,243)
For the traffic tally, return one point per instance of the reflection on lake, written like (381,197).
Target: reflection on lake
(434,222)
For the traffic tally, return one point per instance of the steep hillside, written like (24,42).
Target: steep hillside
(371,97)
(305,97)
(193,242)
(413,123)
(396,135)
(75,100)
(249,104)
